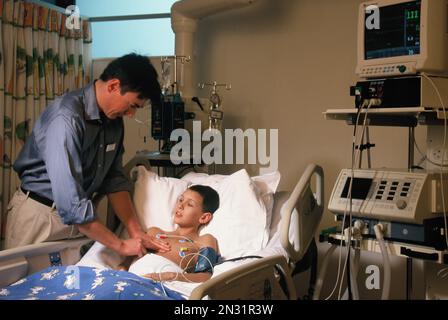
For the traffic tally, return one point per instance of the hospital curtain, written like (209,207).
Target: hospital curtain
(40,59)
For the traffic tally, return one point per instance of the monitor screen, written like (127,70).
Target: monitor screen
(399,32)
(360,188)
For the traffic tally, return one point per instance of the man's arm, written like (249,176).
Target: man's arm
(61,150)
(98,232)
(123,207)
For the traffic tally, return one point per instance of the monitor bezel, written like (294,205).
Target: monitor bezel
(363,62)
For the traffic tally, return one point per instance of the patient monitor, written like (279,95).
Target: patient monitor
(402,37)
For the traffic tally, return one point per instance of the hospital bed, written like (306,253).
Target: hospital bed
(295,219)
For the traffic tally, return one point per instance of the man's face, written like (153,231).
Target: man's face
(122,104)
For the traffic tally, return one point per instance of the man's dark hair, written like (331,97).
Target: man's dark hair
(136,74)
(210,198)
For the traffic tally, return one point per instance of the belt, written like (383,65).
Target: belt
(38,198)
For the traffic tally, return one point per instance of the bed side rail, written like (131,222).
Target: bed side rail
(301,213)
(19,262)
(258,280)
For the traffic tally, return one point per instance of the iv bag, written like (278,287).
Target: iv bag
(166,75)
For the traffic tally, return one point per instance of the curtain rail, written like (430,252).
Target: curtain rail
(106,18)
(52,7)
(131,17)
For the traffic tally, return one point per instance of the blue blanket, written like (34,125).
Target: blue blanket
(84,283)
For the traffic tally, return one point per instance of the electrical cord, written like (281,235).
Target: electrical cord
(339,261)
(442,273)
(355,159)
(367,103)
(378,228)
(355,269)
(348,242)
(425,157)
(192,255)
(445,131)
(322,272)
(355,152)
(354,263)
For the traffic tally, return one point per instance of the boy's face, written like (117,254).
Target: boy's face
(189,211)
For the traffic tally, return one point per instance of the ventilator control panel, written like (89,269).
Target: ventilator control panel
(388,195)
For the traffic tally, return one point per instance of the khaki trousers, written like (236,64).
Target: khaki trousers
(29,222)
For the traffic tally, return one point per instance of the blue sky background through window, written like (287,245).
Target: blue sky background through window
(101,8)
(152,37)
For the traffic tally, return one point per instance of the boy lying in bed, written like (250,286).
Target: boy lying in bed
(194,254)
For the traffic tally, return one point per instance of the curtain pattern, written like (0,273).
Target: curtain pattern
(40,59)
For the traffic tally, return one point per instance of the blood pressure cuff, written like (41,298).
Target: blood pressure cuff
(207,258)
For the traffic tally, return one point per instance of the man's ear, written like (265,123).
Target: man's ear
(113,85)
(206,218)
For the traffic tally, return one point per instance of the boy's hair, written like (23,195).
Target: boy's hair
(136,74)
(210,198)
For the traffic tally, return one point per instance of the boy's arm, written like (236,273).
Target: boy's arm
(176,276)
(207,240)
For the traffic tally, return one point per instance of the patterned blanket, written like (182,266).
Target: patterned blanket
(84,283)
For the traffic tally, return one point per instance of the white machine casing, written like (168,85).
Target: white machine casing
(390,195)
(433,57)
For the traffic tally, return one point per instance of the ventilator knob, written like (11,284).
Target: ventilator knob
(401,204)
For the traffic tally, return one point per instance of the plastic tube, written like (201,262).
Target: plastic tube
(378,228)
(322,272)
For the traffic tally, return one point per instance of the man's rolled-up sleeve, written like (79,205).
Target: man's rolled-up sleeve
(62,155)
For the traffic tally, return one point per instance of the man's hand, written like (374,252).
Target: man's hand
(95,230)
(152,243)
(132,247)
(123,207)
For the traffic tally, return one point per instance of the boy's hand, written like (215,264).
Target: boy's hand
(162,276)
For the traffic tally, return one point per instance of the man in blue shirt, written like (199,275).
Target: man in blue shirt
(74,151)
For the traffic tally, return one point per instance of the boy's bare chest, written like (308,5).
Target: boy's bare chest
(182,252)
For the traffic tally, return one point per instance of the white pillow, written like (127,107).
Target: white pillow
(266,186)
(155,198)
(239,224)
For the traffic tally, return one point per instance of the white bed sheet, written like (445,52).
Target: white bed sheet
(101,257)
